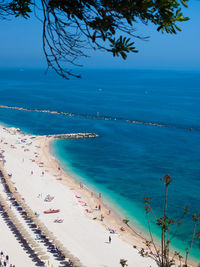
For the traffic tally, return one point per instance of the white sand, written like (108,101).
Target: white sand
(84,237)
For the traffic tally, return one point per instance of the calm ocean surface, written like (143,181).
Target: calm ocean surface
(127,161)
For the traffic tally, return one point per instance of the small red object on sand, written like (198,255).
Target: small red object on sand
(51,211)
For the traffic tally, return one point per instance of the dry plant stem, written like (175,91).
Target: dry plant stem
(164,222)
(151,236)
(163,231)
(191,245)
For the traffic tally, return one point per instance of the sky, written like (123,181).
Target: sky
(21,46)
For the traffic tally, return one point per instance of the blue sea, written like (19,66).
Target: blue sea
(127,160)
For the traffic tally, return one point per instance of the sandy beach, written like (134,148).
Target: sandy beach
(85,224)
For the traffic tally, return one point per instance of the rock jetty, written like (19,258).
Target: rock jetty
(98,117)
(73,136)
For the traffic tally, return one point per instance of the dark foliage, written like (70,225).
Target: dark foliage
(163,255)
(72,26)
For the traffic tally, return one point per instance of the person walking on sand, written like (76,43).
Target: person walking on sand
(109,239)
(31,172)
(99,207)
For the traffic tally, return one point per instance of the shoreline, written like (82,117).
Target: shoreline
(27,158)
(104,201)
(58,181)
(133,234)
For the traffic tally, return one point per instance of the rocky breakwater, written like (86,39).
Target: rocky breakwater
(73,136)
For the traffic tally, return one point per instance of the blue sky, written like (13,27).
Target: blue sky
(21,46)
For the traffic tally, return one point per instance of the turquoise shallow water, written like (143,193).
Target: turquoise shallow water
(127,161)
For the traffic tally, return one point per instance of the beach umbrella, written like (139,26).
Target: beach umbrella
(15,194)
(34,244)
(24,232)
(8,182)
(49,233)
(76,262)
(21,202)
(76,259)
(16,221)
(2,198)
(45,257)
(25,208)
(61,247)
(26,235)
(18,224)
(11,186)
(41,224)
(7,209)
(51,236)
(24,204)
(65,252)
(36,221)
(53,241)
(28,239)
(40,253)
(45,232)
(13,218)
(12,215)
(44,228)
(38,250)
(58,244)
(28,210)
(32,222)
(70,256)
(19,227)
(17,197)
(4,205)
(3,202)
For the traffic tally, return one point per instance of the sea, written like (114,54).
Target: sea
(148,122)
